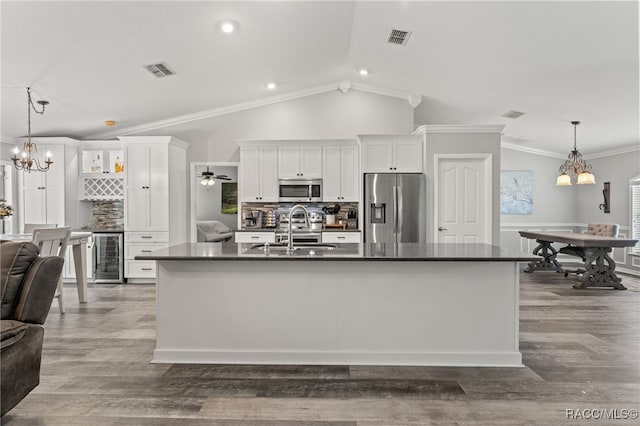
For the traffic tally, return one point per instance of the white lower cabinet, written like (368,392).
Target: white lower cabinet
(255,237)
(341,237)
(141,243)
(69,271)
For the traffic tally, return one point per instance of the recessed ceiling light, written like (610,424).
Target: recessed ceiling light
(270,86)
(363,71)
(110,123)
(228,27)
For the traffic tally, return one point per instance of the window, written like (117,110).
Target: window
(635,212)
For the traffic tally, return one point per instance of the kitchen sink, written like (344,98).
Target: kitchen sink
(298,246)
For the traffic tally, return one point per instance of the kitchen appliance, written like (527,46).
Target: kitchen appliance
(253,219)
(301,232)
(296,190)
(108,257)
(395,208)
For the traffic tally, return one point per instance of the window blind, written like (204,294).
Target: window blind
(635,215)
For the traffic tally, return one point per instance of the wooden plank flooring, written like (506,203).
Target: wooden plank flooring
(581,349)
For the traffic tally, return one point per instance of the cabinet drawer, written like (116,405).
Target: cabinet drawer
(140,269)
(146,237)
(131,250)
(255,237)
(340,237)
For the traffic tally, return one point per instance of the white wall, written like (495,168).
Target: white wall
(330,115)
(551,203)
(463,143)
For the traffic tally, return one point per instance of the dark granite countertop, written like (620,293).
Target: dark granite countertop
(343,252)
(100,230)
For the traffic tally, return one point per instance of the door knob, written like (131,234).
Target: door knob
(440,228)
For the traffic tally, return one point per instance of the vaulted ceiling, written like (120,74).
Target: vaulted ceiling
(470,61)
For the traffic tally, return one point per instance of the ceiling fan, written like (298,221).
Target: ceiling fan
(209,178)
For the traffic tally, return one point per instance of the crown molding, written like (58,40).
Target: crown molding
(599,154)
(514,147)
(458,128)
(342,86)
(414,99)
(615,151)
(9,139)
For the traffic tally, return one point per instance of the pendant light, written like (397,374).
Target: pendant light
(28,160)
(575,165)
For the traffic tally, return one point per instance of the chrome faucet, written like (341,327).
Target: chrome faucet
(290,247)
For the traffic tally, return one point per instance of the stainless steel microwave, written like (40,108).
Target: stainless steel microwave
(299,190)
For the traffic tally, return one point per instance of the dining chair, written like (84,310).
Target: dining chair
(53,242)
(29,227)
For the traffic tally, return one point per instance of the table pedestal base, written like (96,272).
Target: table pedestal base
(548,261)
(599,270)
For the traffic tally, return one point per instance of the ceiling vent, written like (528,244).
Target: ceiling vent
(513,114)
(160,70)
(399,37)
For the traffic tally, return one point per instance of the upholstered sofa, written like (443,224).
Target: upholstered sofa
(28,283)
(213,231)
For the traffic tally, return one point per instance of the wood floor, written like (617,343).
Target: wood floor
(581,349)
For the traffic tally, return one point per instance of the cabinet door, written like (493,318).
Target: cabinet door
(137,209)
(268,174)
(137,170)
(349,174)
(407,154)
(378,156)
(54,205)
(311,162)
(288,162)
(331,173)
(158,208)
(249,183)
(158,166)
(34,206)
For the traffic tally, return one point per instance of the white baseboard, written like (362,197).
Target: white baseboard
(452,359)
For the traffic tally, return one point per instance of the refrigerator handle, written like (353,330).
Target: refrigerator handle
(395,209)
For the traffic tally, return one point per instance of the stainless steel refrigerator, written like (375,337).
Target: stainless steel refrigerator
(395,208)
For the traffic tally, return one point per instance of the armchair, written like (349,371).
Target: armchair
(213,231)
(28,283)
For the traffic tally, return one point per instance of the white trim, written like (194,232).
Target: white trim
(248,105)
(9,140)
(385,91)
(488,170)
(458,359)
(614,151)
(458,128)
(512,146)
(193,185)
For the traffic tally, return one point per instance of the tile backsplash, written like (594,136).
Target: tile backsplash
(107,214)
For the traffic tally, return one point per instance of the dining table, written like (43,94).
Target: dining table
(78,242)
(599,266)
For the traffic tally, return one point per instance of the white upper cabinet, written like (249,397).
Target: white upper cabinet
(295,162)
(340,176)
(258,173)
(43,193)
(392,154)
(147,194)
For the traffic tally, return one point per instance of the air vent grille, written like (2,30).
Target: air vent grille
(399,37)
(513,114)
(160,70)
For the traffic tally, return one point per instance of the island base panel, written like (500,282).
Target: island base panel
(356,312)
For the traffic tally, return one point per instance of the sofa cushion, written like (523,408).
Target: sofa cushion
(15,260)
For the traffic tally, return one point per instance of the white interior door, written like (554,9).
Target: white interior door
(463,200)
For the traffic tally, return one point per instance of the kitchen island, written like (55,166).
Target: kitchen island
(385,304)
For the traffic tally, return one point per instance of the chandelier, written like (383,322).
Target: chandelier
(575,165)
(28,160)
